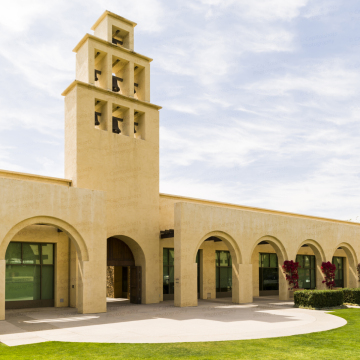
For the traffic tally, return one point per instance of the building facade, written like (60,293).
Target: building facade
(106,230)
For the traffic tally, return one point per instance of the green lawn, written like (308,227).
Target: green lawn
(341,343)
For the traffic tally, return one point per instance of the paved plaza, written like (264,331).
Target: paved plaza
(212,320)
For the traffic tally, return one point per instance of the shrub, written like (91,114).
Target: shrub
(291,272)
(328,270)
(351,296)
(319,298)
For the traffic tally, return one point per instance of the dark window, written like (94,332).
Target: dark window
(268,272)
(223,271)
(306,271)
(168,271)
(29,272)
(339,272)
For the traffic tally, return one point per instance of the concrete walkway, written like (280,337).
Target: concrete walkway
(212,320)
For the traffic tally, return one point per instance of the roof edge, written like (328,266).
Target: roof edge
(109,13)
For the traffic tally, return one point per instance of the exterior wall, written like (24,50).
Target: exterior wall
(78,212)
(242,230)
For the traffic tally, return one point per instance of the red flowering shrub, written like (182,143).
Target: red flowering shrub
(328,270)
(291,271)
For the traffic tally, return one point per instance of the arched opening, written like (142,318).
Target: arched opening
(125,264)
(217,259)
(38,273)
(344,258)
(310,256)
(268,256)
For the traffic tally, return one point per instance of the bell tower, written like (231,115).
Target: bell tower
(112,129)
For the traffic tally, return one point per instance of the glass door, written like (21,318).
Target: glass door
(29,279)
(268,274)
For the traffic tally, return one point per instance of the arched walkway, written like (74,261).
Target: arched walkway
(127,260)
(264,275)
(320,257)
(87,269)
(218,273)
(349,270)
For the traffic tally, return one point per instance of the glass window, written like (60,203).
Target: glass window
(47,254)
(339,272)
(27,277)
(223,271)
(168,271)
(31,253)
(268,272)
(13,253)
(306,271)
(22,283)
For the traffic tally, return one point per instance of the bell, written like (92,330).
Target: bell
(97,72)
(97,122)
(135,124)
(116,41)
(115,125)
(115,86)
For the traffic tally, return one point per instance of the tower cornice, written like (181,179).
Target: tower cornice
(108,92)
(122,49)
(115,16)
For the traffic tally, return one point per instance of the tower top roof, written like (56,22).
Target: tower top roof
(118,17)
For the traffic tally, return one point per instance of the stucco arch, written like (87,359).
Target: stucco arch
(320,257)
(228,240)
(139,255)
(282,256)
(276,244)
(74,235)
(352,280)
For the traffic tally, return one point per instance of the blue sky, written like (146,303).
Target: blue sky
(261,99)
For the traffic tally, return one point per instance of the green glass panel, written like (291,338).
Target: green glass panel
(299,260)
(13,253)
(171,280)
(259,260)
(47,282)
(230,259)
(224,261)
(217,279)
(270,279)
(273,260)
(312,258)
(22,282)
(171,256)
(301,273)
(307,280)
(313,283)
(223,279)
(165,256)
(47,254)
(197,257)
(306,261)
(217,255)
(265,260)
(165,279)
(229,279)
(31,253)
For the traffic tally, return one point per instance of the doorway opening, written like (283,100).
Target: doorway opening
(123,276)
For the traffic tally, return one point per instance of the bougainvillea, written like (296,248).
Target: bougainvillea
(358,271)
(291,271)
(328,270)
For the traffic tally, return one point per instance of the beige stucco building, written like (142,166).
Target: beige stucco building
(106,229)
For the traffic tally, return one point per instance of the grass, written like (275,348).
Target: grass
(342,343)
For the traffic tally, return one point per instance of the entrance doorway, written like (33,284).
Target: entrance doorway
(123,276)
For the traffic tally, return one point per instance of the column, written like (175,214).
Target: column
(2,289)
(242,287)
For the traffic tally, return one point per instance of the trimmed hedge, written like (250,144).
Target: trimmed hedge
(351,296)
(319,298)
